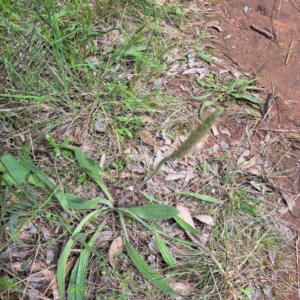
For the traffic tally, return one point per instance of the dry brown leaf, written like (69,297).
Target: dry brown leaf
(70,264)
(289,200)
(116,246)
(181,288)
(205,219)
(17,266)
(100,123)
(148,139)
(214,24)
(242,158)
(185,215)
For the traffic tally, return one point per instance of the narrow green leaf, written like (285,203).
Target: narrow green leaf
(92,169)
(164,250)
(208,103)
(206,57)
(232,85)
(200,197)
(149,197)
(154,211)
(34,180)
(15,173)
(77,283)
(155,278)
(247,97)
(62,262)
(203,97)
(184,225)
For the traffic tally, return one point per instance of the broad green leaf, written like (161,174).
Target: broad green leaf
(154,211)
(200,197)
(155,278)
(184,225)
(62,262)
(37,173)
(247,97)
(77,283)
(34,180)
(15,173)
(76,202)
(164,250)
(61,197)
(92,169)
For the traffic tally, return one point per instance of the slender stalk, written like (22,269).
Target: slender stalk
(193,139)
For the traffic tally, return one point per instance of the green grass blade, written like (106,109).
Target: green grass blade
(62,262)
(155,278)
(200,197)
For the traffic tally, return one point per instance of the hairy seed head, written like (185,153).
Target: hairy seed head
(196,135)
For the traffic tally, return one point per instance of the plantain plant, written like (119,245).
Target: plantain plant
(16,172)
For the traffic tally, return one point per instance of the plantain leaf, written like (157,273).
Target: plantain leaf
(200,197)
(154,211)
(64,203)
(155,278)
(164,250)
(14,172)
(247,97)
(184,225)
(77,284)
(62,262)
(92,169)
(76,202)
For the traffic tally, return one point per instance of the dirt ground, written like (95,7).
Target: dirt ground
(262,39)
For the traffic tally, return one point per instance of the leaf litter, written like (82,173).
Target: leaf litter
(185,168)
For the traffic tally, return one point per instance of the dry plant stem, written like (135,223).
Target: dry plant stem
(193,139)
(289,52)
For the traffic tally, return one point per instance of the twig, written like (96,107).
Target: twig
(289,52)
(266,33)
(296,5)
(262,67)
(279,130)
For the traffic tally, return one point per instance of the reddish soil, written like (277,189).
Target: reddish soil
(265,42)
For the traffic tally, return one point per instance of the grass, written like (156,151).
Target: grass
(80,80)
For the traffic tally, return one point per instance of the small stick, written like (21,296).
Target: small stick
(262,31)
(289,52)
(296,5)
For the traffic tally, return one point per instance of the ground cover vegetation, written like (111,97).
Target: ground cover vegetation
(88,112)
